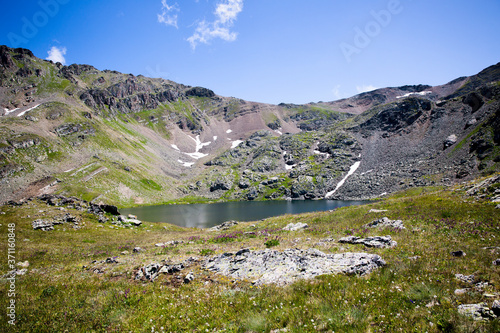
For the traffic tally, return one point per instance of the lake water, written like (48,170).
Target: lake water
(209,215)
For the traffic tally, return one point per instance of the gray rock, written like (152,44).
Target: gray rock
(465,278)
(476,311)
(385,222)
(458,253)
(224,226)
(23,264)
(377,210)
(296,226)
(223,183)
(44,225)
(450,141)
(134,222)
(137,249)
(496,262)
(153,270)
(274,267)
(375,241)
(189,277)
(460,292)
(149,272)
(495,307)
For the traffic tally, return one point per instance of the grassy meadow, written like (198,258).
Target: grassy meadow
(69,287)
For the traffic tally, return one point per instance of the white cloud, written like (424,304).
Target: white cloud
(365,88)
(336,92)
(226,14)
(56,54)
(167,17)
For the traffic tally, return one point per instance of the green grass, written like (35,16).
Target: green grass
(59,294)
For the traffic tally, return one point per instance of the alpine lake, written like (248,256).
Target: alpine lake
(209,215)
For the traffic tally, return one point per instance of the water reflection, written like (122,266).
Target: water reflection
(208,215)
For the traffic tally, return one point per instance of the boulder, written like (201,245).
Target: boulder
(274,267)
(495,307)
(224,226)
(385,222)
(376,241)
(450,141)
(465,278)
(478,311)
(458,253)
(221,184)
(153,270)
(296,226)
(189,277)
(44,225)
(110,209)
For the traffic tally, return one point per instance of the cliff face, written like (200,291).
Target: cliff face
(130,139)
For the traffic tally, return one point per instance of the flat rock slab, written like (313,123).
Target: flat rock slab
(376,241)
(385,222)
(224,226)
(479,311)
(274,267)
(295,227)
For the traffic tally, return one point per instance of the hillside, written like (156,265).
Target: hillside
(128,140)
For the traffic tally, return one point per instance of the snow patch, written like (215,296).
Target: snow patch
(317,152)
(353,169)
(229,131)
(199,145)
(422,93)
(290,167)
(215,138)
(186,164)
(175,147)
(236,143)
(7,111)
(22,113)
(279,132)
(364,173)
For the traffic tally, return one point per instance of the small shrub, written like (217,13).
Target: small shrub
(48,292)
(206,252)
(272,242)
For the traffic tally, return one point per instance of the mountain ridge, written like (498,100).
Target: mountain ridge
(125,139)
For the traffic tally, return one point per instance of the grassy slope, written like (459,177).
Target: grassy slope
(57,294)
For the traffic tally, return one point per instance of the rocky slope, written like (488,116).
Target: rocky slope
(125,139)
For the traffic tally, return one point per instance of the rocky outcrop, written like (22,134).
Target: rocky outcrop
(5,57)
(200,92)
(274,267)
(479,311)
(24,141)
(152,271)
(295,226)
(48,225)
(224,226)
(386,222)
(376,241)
(396,116)
(223,183)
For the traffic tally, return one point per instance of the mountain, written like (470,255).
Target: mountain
(125,139)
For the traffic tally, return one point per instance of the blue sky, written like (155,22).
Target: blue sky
(269,51)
